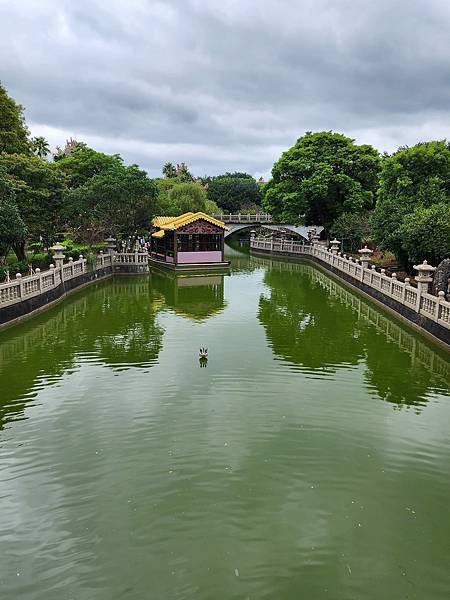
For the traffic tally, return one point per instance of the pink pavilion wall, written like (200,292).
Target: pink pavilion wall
(199,257)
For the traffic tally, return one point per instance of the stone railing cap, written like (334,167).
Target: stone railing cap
(57,248)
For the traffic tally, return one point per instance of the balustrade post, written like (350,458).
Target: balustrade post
(405,284)
(19,279)
(441,298)
(38,273)
(391,283)
(373,270)
(83,263)
(71,267)
(52,269)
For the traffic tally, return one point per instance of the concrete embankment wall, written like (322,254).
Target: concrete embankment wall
(29,306)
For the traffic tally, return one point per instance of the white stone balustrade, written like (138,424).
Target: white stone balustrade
(238,218)
(436,308)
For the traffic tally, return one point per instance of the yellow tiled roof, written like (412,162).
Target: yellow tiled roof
(158,234)
(160,221)
(173,223)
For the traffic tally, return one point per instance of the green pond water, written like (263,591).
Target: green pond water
(309,459)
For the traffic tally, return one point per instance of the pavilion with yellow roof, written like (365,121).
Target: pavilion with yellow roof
(193,241)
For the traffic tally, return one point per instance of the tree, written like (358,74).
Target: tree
(169,170)
(117,201)
(83,162)
(425,233)
(13,131)
(411,178)
(38,189)
(12,227)
(324,175)
(40,146)
(353,229)
(187,197)
(233,194)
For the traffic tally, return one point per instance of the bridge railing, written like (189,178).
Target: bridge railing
(417,298)
(243,218)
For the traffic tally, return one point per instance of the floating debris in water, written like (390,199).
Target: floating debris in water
(236,572)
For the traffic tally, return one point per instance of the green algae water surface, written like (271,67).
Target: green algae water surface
(309,458)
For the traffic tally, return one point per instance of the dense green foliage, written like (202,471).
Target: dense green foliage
(116,200)
(353,229)
(234,192)
(425,233)
(185,197)
(38,189)
(324,175)
(411,180)
(13,131)
(83,163)
(12,228)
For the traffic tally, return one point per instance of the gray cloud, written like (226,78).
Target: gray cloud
(228,84)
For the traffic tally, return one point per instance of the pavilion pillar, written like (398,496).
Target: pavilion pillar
(175,247)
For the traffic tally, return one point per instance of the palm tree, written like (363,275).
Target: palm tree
(40,146)
(169,170)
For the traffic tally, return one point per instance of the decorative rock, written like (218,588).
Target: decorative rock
(441,278)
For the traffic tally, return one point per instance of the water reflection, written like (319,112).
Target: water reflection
(195,297)
(312,321)
(113,323)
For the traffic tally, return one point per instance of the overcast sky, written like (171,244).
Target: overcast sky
(227,84)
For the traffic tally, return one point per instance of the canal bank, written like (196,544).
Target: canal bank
(428,314)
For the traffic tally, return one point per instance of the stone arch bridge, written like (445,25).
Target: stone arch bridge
(240,222)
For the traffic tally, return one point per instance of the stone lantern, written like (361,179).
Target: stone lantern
(365,254)
(315,237)
(111,245)
(334,246)
(423,276)
(58,255)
